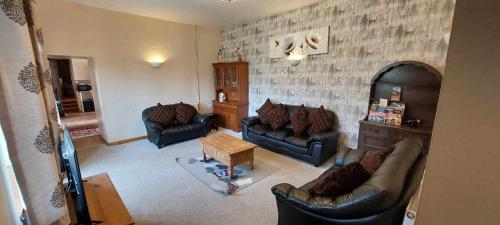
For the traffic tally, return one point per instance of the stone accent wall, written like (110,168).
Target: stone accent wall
(365,36)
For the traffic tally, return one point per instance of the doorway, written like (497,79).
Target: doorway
(64,87)
(74,90)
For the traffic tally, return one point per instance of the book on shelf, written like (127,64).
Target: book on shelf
(396,93)
(392,114)
(383,102)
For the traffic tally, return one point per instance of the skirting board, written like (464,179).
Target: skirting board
(123,141)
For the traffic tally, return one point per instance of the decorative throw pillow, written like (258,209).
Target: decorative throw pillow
(278,117)
(162,114)
(319,121)
(264,110)
(372,160)
(341,181)
(184,113)
(300,120)
(351,176)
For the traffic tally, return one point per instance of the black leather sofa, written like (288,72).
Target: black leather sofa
(382,200)
(314,149)
(162,136)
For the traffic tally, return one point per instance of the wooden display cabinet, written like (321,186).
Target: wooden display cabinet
(232,79)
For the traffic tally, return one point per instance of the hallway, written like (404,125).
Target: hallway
(81,125)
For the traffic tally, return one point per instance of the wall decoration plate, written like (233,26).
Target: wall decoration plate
(312,42)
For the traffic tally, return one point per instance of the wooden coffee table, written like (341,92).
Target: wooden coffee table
(228,150)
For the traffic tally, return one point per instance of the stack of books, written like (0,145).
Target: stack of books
(392,114)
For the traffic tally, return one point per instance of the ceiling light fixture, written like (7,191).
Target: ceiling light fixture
(229,0)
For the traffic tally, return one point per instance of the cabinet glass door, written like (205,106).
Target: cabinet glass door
(227,77)
(219,73)
(234,76)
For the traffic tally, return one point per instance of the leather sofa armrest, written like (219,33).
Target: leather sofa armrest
(323,137)
(282,189)
(360,201)
(153,125)
(150,124)
(250,121)
(200,118)
(296,196)
(346,155)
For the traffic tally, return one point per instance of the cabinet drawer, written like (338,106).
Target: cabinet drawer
(225,106)
(375,142)
(377,132)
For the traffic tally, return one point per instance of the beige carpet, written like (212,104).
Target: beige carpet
(157,190)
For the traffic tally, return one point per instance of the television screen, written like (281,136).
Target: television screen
(75,182)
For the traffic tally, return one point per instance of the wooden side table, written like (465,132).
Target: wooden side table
(213,121)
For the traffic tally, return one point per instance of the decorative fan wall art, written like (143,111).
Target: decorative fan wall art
(310,42)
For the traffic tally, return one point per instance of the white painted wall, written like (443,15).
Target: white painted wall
(120,44)
(81,70)
(462,182)
(208,46)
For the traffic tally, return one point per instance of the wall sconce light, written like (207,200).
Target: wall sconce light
(155,64)
(155,61)
(294,58)
(294,54)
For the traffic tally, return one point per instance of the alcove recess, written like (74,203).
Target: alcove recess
(420,86)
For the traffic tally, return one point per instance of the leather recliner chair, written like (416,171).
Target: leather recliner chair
(162,136)
(381,200)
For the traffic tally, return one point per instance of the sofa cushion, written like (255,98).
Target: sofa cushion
(174,130)
(319,121)
(297,141)
(184,113)
(259,129)
(372,160)
(162,114)
(278,117)
(279,135)
(341,181)
(300,120)
(351,176)
(264,110)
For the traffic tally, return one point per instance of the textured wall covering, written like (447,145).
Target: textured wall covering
(365,35)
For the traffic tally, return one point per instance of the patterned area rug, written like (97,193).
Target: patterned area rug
(83,133)
(81,125)
(215,175)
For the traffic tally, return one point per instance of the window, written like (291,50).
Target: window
(11,200)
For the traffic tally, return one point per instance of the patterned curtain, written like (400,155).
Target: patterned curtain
(28,112)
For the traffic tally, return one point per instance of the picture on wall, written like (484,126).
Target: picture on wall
(309,42)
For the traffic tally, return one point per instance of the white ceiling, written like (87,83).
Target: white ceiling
(200,12)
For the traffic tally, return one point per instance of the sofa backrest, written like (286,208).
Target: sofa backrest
(331,115)
(146,111)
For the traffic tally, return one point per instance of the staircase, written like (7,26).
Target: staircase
(70,105)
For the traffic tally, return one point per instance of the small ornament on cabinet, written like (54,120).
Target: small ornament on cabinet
(239,54)
(222,97)
(219,55)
